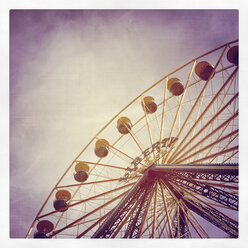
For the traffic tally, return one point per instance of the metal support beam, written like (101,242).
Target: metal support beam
(136,220)
(227,169)
(215,217)
(138,193)
(213,193)
(210,214)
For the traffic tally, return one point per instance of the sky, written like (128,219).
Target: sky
(72,71)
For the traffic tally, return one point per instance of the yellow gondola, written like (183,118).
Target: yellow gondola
(149,105)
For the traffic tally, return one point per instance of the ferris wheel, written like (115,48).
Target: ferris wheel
(165,166)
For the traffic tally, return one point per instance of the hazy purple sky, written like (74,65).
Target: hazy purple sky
(71,71)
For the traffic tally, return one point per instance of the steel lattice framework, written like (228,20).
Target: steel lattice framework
(174,178)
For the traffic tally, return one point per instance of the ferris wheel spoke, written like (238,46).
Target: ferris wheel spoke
(197,223)
(166,208)
(228,91)
(135,138)
(147,124)
(203,139)
(176,153)
(95,182)
(182,158)
(175,220)
(163,113)
(163,219)
(163,228)
(232,155)
(114,148)
(224,124)
(146,218)
(220,135)
(155,210)
(180,105)
(195,104)
(104,165)
(224,68)
(86,221)
(204,127)
(216,154)
(90,213)
(176,197)
(85,200)
(210,134)
(94,224)
(62,214)
(227,145)
(159,212)
(187,219)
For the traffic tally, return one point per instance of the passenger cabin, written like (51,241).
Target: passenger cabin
(124,125)
(40,235)
(60,204)
(101,148)
(233,55)
(43,227)
(82,172)
(63,194)
(149,105)
(175,86)
(203,70)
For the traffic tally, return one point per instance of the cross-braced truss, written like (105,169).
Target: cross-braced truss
(135,205)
